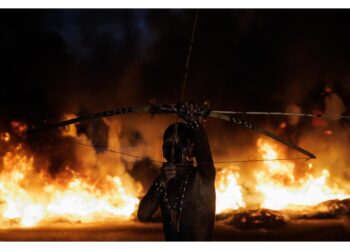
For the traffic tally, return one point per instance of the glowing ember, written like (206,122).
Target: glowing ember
(19,127)
(5,137)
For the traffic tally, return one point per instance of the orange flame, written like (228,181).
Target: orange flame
(31,197)
(281,189)
(228,191)
(79,199)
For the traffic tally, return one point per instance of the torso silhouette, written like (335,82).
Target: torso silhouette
(197,217)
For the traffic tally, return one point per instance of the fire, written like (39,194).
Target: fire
(279,185)
(228,191)
(29,197)
(19,127)
(282,188)
(5,137)
(83,201)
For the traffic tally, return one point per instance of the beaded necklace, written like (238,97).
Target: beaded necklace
(176,208)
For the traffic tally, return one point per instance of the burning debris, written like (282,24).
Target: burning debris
(286,184)
(326,210)
(98,186)
(255,219)
(30,195)
(258,219)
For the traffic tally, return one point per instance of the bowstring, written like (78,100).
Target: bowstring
(117,152)
(184,83)
(215,162)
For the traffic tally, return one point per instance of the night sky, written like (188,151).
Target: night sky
(56,61)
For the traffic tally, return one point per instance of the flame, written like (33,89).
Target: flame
(228,191)
(19,127)
(281,188)
(78,200)
(5,137)
(29,197)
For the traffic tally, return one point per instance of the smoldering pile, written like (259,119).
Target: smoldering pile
(256,219)
(326,210)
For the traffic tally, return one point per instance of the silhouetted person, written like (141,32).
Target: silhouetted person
(184,192)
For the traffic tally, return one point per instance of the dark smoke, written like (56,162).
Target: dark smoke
(96,131)
(55,61)
(144,171)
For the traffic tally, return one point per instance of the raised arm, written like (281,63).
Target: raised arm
(187,111)
(203,154)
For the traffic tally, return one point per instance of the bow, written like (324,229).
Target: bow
(202,112)
(157,108)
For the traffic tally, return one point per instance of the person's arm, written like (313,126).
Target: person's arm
(205,164)
(151,200)
(203,154)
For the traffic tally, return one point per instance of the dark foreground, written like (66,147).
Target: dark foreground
(297,230)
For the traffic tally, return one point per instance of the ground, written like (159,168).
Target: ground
(297,230)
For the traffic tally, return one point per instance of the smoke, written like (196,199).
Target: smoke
(332,153)
(55,61)
(104,58)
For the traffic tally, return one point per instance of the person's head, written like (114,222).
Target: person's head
(328,89)
(183,146)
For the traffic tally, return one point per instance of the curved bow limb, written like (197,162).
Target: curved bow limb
(268,133)
(118,111)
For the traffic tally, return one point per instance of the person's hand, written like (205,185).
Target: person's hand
(168,172)
(192,113)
